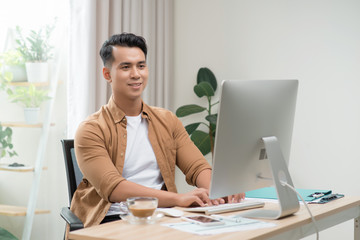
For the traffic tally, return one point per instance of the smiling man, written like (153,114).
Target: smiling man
(129,149)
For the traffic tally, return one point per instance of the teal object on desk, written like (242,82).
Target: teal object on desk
(270,193)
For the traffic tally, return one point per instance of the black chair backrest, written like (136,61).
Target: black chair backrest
(73,173)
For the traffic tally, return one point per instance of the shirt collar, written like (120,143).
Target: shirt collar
(118,114)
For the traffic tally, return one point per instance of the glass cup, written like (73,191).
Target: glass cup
(142,208)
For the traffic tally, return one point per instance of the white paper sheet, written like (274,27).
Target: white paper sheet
(230,226)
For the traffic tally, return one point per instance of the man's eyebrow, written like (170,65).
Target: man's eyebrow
(129,63)
(124,63)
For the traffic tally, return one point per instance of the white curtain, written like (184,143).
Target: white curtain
(94,21)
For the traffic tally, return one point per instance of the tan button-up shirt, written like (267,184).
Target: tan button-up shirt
(100,145)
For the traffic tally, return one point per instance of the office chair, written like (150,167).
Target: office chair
(74,177)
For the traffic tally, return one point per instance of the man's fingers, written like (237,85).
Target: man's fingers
(203,194)
(237,198)
(199,201)
(230,198)
(206,199)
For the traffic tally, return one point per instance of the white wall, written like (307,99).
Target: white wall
(317,42)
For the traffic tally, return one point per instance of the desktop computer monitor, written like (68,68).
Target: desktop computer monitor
(253,139)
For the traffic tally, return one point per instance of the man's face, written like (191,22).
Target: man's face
(128,74)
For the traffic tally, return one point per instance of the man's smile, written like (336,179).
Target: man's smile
(135,85)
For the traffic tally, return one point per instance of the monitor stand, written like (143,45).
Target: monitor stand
(288,201)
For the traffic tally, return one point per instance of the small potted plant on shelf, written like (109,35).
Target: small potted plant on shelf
(31,98)
(13,62)
(6,146)
(37,51)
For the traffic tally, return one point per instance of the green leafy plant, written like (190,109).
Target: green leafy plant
(5,79)
(36,46)
(12,58)
(6,235)
(6,146)
(205,87)
(29,97)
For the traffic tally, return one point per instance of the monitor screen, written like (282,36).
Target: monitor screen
(250,111)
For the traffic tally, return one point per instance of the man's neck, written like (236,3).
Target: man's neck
(130,107)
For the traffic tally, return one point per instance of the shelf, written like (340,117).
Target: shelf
(26,84)
(23,124)
(34,169)
(5,167)
(9,210)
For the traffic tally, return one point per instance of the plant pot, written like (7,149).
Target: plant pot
(31,115)
(37,71)
(18,72)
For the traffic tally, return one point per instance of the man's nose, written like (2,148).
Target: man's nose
(135,72)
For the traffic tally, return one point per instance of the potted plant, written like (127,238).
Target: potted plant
(206,86)
(5,79)
(12,61)
(6,146)
(31,98)
(36,50)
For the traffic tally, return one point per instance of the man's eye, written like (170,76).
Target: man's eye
(142,66)
(125,67)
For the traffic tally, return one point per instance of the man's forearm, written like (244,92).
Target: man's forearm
(204,179)
(126,189)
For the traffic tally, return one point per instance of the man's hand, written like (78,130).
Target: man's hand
(203,181)
(235,198)
(198,196)
(229,199)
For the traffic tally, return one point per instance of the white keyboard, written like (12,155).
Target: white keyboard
(227,207)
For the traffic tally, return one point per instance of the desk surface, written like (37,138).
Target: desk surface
(327,215)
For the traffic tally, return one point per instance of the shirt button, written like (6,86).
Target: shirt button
(121,154)
(124,135)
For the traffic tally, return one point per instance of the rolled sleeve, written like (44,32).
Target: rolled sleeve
(189,158)
(94,160)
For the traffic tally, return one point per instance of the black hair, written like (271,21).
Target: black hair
(123,40)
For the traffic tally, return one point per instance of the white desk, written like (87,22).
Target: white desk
(294,227)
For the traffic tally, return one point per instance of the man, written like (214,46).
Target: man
(129,149)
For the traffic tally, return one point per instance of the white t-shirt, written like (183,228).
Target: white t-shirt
(140,164)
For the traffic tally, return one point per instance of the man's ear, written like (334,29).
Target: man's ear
(106,74)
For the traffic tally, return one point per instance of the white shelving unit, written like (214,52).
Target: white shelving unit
(30,210)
